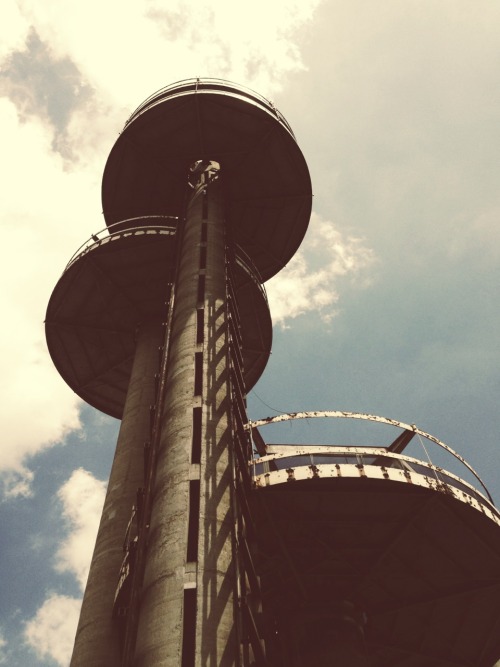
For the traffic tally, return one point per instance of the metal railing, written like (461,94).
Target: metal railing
(378,456)
(209,85)
(244,261)
(360,457)
(149,224)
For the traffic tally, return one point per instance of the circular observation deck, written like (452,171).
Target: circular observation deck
(266,179)
(118,280)
(415,548)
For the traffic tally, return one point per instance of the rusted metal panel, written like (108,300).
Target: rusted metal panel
(337,414)
(325,471)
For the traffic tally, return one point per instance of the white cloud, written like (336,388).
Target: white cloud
(51,632)
(311,281)
(159,43)
(38,218)
(50,88)
(82,498)
(17,483)
(13,27)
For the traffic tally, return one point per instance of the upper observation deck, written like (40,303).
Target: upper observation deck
(413,546)
(267,184)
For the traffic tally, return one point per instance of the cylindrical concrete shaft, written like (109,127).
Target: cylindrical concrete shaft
(160,632)
(97,641)
(216,636)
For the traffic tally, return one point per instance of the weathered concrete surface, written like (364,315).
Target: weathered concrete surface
(96,642)
(160,632)
(216,630)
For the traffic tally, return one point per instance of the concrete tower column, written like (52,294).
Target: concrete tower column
(97,641)
(187,607)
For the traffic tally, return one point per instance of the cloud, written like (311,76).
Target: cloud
(404,135)
(236,39)
(13,28)
(154,45)
(17,483)
(51,632)
(45,215)
(311,281)
(82,498)
(43,86)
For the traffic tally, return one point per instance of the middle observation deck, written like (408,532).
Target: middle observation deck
(121,277)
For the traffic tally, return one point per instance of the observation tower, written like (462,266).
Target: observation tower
(162,321)
(215,549)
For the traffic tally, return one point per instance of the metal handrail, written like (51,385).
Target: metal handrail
(244,261)
(408,465)
(199,85)
(361,454)
(364,458)
(117,229)
(336,414)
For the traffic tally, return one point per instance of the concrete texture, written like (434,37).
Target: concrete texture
(97,642)
(160,631)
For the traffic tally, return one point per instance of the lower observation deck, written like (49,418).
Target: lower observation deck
(121,278)
(414,548)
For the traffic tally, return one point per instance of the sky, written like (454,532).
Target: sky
(389,307)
